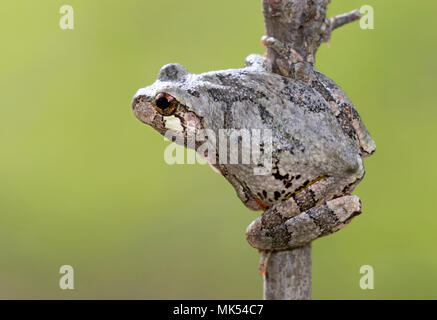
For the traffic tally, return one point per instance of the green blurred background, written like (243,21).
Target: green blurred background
(82,182)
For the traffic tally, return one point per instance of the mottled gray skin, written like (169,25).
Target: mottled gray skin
(318,144)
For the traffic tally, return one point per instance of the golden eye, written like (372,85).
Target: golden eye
(165,103)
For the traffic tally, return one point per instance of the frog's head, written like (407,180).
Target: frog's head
(163,105)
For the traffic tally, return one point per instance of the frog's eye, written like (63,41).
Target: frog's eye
(165,103)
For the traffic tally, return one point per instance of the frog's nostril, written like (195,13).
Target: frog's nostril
(134,103)
(137,100)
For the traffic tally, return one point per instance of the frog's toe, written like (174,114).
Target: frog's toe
(257,61)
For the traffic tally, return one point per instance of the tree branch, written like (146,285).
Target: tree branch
(296,28)
(301,24)
(288,275)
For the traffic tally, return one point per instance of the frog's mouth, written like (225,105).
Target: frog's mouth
(308,184)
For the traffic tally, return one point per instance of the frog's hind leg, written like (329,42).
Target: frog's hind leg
(305,227)
(306,216)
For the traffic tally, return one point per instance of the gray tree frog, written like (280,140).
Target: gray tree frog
(318,143)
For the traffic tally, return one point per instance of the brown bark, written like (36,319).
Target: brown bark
(288,275)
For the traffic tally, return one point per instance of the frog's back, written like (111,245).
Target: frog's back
(307,140)
(302,123)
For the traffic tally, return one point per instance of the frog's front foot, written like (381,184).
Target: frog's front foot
(291,63)
(269,233)
(284,50)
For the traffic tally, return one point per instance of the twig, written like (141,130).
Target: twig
(342,19)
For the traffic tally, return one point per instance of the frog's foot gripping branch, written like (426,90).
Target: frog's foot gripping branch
(304,217)
(289,57)
(307,226)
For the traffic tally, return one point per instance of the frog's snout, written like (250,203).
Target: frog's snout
(134,103)
(142,108)
(139,101)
